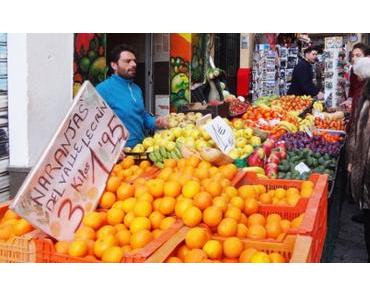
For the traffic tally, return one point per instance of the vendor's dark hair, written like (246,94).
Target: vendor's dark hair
(309,49)
(118,49)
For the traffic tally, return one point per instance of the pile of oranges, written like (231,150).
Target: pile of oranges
(199,247)
(12,225)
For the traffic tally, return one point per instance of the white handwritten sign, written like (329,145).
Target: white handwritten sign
(70,177)
(302,168)
(221,134)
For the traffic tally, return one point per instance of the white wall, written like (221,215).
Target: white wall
(40,92)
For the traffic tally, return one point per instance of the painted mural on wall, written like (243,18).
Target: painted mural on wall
(180,56)
(89,59)
(199,57)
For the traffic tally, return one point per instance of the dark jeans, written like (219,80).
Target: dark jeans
(367,231)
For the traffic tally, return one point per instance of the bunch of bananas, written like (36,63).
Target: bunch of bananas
(287,126)
(318,106)
(157,156)
(307,123)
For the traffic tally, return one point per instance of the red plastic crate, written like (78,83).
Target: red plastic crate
(314,208)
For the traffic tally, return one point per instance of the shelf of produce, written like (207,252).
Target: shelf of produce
(45,249)
(314,221)
(296,248)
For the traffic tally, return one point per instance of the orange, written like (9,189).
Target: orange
(273,229)
(182,251)
(128,218)
(195,238)
(244,219)
(213,249)
(282,202)
(202,200)
(103,215)
(166,223)
(247,191)
(280,193)
(188,171)
(250,206)
(22,227)
(260,257)
(192,161)
(123,237)
(182,205)
(126,249)
(227,227)
(145,164)
(229,260)
(146,196)
(276,258)
(170,163)
(142,208)
(256,232)
(127,162)
(213,171)
(220,202)
(165,173)
(155,219)
(296,222)
(117,168)
(78,248)
(115,216)
(260,189)
(233,212)
(101,244)
(156,233)
(167,205)
(173,259)
(61,247)
(140,189)
(265,198)
(246,255)
(225,183)
(256,219)
(155,187)
(274,217)
(231,191)
(292,191)
(84,233)
(140,223)
(238,202)
(285,226)
(195,256)
(112,254)
(118,204)
(233,247)
(107,200)
(212,216)
(242,231)
(204,164)
(201,173)
(271,193)
(205,182)
(9,215)
(113,183)
(105,231)
(306,192)
(192,216)
(128,204)
(307,184)
(140,239)
(190,189)
(171,188)
(293,199)
(181,163)
(229,171)
(214,188)
(93,220)
(156,204)
(125,191)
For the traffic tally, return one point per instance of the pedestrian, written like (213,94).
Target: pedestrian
(302,77)
(359,165)
(126,98)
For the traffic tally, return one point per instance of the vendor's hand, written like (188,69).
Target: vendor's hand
(320,95)
(161,122)
(349,167)
(347,104)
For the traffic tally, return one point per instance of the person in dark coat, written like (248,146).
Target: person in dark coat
(302,77)
(359,144)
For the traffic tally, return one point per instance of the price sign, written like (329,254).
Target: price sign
(302,168)
(308,131)
(221,134)
(70,177)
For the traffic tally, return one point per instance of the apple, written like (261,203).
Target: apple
(238,133)
(248,132)
(255,141)
(180,139)
(170,146)
(177,131)
(261,153)
(200,143)
(274,158)
(248,149)
(234,154)
(189,142)
(255,160)
(238,124)
(148,141)
(241,142)
(268,146)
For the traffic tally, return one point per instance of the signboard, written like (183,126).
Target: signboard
(221,134)
(70,177)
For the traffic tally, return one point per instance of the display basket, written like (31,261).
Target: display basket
(45,249)
(296,248)
(314,221)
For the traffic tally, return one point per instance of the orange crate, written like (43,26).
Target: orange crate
(297,248)
(45,250)
(18,249)
(314,221)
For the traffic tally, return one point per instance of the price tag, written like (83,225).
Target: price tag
(302,168)
(70,177)
(221,134)
(308,131)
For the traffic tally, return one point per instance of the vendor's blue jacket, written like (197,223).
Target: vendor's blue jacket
(302,80)
(126,100)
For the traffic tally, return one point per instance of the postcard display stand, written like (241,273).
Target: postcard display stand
(4,140)
(334,71)
(288,58)
(265,66)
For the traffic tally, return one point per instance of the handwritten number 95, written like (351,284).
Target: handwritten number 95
(116,132)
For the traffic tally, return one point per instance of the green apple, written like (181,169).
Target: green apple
(238,124)
(204,134)
(248,149)
(234,154)
(148,141)
(240,142)
(180,139)
(139,148)
(177,131)
(170,146)
(200,143)
(255,141)
(195,134)
(189,142)
(238,133)
(248,132)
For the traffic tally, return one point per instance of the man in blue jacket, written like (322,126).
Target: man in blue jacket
(126,98)
(302,77)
